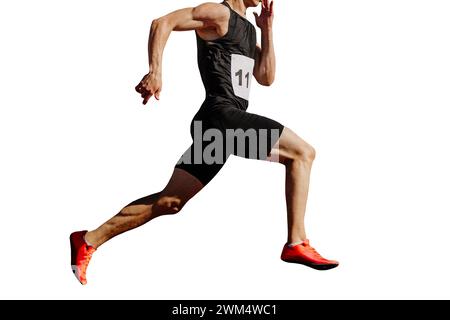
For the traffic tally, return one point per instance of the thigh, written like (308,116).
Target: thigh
(288,147)
(182,186)
(200,169)
(250,135)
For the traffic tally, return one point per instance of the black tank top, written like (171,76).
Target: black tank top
(226,64)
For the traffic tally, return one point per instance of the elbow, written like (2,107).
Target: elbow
(270,81)
(267,81)
(155,23)
(159,23)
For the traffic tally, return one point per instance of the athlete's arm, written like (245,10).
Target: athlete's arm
(265,64)
(208,18)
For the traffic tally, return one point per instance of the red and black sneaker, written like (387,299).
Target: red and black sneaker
(81,255)
(304,254)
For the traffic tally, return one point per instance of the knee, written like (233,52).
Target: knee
(309,153)
(167,205)
(303,152)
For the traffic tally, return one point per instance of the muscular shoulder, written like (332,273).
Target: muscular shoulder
(212,12)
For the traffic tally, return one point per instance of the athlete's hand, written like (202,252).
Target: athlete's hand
(264,21)
(149,86)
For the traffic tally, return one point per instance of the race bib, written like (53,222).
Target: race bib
(241,75)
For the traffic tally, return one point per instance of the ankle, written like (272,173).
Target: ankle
(296,240)
(90,240)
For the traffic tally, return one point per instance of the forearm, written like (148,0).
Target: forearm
(268,61)
(159,34)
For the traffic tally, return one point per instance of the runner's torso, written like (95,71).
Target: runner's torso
(226,64)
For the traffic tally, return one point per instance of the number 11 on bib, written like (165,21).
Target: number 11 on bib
(241,75)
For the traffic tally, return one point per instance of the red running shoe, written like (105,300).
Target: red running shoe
(81,255)
(304,254)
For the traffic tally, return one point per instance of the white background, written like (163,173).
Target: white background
(365,82)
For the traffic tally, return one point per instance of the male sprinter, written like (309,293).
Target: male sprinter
(227,57)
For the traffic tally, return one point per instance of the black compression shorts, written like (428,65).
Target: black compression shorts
(220,131)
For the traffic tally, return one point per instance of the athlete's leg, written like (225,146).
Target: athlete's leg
(297,156)
(283,146)
(181,187)
(186,181)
